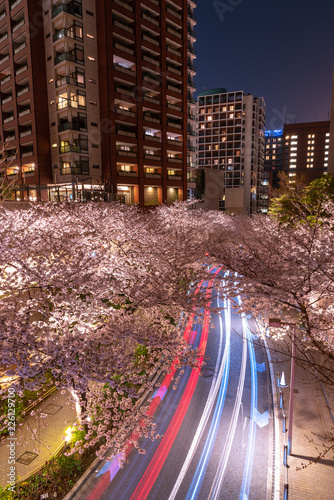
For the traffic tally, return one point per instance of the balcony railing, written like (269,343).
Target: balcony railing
(18,25)
(67,56)
(71,148)
(3,37)
(21,69)
(68,80)
(22,91)
(27,153)
(124,4)
(68,33)
(7,99)
(74,8)
(127,173)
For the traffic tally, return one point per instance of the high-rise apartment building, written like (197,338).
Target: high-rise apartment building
(230,138)
(273,164)
(98,95)
(306,149)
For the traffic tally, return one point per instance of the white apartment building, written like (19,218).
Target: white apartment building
(230,139)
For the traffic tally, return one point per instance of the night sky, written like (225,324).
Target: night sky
(280,50)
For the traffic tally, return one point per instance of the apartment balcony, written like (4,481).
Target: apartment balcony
(174,89)
(22,91)
(172,177)
(123,26)
(173,13)
(127,173)
(21,69)
(174,160)
(151,118)
(70,103)
(150,18)
(70,126)
(150,39)
(24,112)
(125,131)
(123,152)
(174,124)
(25,133)
(69,80)
(126,49)
(4,58)
(191,50)
(174,70)
(152,175)
(124,112)
(19,47)
(73,148)
(191,33)
(67,56)
(2,15)
(9,118)
(6,99)
(174,142)
(18,25)
(74,8)
(173,51)
(126,5)
(153,100)
(10,137)
(191,15)
(80,168)
(121,68)
(66,32)
(14,4)
(124,91)
(149,156)
(150,137)
(173,32)
(3,37)
(156,62)
(26,153)
(191,66)
(176,107)
(5,80)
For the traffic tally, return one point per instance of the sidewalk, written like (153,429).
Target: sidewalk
(31,454)
(312,426)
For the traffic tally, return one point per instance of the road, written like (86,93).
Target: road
(217,429)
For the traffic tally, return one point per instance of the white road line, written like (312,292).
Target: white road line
(215,384)
(218,480)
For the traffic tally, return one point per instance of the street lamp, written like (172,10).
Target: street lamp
(277,323)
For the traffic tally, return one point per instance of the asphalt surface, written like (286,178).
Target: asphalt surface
(224,444)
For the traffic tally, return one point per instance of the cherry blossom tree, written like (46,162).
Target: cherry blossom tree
(84,286)
(285,271)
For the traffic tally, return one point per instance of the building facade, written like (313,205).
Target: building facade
(273,164)
(97,96)
(306,150)
(230,138)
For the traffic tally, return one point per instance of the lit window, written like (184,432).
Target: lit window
(209,118)
(54,145)
(91,58)
(294,143)
(294,137)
